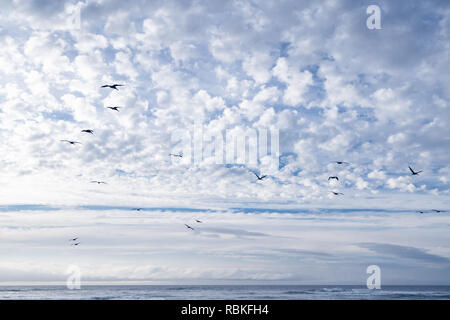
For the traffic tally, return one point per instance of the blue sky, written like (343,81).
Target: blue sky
(334,89)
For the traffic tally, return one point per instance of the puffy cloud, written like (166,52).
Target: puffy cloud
(88,42)
(378,175)
(297,82)
(334,89)
(402,183)
(258,66)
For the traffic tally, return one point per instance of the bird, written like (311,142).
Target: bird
(189,227)
(88,131)
(259,178)
(421,212)
(180,155)
(336,193)
(437,211)
(112,86)
(198,221)
(414,173)
(341,162)
(71,142)
(114,108)
(137,209)
(74,239)
(75,244)
(98,182)
(334,177)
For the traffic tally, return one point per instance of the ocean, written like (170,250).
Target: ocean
(225,292)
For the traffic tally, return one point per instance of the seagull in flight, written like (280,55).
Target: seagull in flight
(334,177)
(88,131)
(437,211)
(71,142)
(137,209)
(414,173)
(198,221)
(259,178)
(98,182)
(112,86)
(75,244)
(114,108)
(189,227)
(180,155)
(340,162)
(336,193)
(74,239)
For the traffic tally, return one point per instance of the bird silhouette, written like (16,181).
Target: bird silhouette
(180,155)
(341,162)
(137,209)
(336,193)
(437,211)
(414,173)
(112,86)
(74,239)
(71,142)
(198,221)
(98,182)
(189,227)
(88,131)
(334,177)
(114,108)
(75,244)
(259,178)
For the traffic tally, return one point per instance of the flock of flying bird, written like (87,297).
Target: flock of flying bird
(413,173)
(74,241)
(90,131)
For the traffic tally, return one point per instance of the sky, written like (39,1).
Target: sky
(311,71)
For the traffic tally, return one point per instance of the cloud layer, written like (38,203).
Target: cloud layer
(154,246)
(334,90)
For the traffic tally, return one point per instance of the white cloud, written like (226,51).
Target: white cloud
(402,183)
(258,66)
(378,175)
(297,82)
(334,89)
(154,246)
